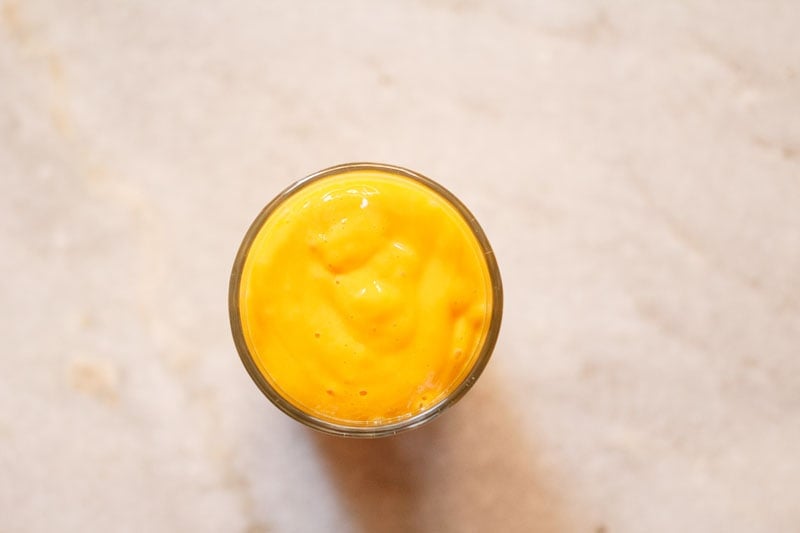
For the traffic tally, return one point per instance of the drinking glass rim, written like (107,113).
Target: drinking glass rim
(378,430)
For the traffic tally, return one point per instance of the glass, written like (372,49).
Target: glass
(393,427)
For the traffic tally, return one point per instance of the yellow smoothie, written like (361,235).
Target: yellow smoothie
(365,298)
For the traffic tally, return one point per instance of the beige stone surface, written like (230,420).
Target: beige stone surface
(635,164)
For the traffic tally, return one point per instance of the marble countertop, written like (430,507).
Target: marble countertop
(635,165)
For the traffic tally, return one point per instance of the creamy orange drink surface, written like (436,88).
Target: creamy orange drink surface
(364,297)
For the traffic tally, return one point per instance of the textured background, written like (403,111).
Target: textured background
(635,164)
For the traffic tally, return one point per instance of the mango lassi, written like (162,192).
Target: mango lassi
(364,297)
